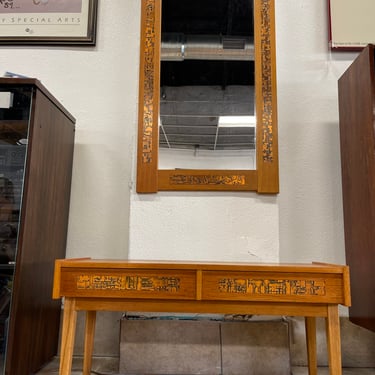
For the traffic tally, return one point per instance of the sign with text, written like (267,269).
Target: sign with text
(47,21)
(351,23)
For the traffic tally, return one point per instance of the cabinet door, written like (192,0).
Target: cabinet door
(15,105)
(357,120)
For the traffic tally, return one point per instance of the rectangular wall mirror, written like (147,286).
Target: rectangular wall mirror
(207,98)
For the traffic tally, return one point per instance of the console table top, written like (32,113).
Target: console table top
(201,265)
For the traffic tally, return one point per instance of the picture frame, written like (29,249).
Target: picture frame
(48,22)
(351,24)
(265,178)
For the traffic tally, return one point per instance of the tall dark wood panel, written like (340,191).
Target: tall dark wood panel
(357,136)
(36,154)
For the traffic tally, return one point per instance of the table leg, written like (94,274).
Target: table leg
(310,327)
(333,340)
(89,341)
(67,336)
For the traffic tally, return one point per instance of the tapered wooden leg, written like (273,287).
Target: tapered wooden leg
(89,341)
(67,336)
(310,327)
(333,340)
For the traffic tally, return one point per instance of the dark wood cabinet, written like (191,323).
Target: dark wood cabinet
(36,154)
(357,138)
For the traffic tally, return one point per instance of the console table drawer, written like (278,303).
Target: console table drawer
(112,283)
(284,287)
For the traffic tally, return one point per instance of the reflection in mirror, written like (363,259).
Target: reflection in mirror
(199,64)
(207,117)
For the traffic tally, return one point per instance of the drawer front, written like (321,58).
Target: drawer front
(151,284)
(253,286)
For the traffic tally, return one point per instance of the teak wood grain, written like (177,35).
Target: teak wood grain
(309,290)
(263,179)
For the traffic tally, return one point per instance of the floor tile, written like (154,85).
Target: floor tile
(192,346)
(325,371)
(108,366)
(100,365)
(258,348)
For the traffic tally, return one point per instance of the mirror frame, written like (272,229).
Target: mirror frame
(263,179)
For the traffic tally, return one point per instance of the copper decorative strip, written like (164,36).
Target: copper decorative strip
(267,131)
(184,179)
(168,284)
(148,82)
(272,287)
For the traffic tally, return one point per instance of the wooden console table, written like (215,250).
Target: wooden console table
(308,290)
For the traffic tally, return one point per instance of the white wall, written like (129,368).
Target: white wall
(310,202)
(304,222)
(99,87)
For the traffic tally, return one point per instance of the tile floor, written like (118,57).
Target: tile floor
(325,371)
(358,348)
(108,366)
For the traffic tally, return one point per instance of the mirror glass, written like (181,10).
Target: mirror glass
(207,91)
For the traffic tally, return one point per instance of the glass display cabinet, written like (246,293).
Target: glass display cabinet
(36,153)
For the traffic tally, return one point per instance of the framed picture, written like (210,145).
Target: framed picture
(351,24)
(53,22)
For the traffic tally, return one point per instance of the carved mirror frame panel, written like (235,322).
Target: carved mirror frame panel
(265,178)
